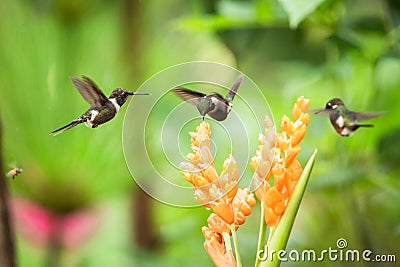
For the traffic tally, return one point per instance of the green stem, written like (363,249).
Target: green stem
(227,240)
(236,244)
(262,234)
(271,233)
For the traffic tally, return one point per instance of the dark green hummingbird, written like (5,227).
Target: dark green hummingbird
(343,120)
(102,109)
(215,105)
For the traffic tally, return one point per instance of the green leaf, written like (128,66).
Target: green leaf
(280,235)
(299,9)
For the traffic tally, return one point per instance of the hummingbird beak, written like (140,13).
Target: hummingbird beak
(138,93)
(317,111)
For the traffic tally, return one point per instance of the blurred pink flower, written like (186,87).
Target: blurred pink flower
(42,226)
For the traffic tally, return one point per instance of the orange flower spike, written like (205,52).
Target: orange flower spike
(294,172)
(210,173)
(232,193)
(205,155)
(304,103)
(298,135)
(280,207)
(285,168)
(243,202)
(240,218)
(200,144)
(273,196)
(291,154)
(201,194)
(286,125)
(204,129)
(218,225)
(199,181)
(262,170)
(262,191)
(300,106)
(264,158)
(250,200)
(215,247)
(189,171)
(188,176)
(228,180)
(282,141)
(305,118)
(279,172)
(193,157)
(229,169)
(225,211)
(270,217)
(269,131)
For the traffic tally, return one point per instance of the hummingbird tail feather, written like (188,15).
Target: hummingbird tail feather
(234,88)
(66,127)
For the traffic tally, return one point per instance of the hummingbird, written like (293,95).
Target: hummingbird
(102,109)
(215,105)
(343,120)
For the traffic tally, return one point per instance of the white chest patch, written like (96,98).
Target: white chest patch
(340,121)
(114,102)
(214,100)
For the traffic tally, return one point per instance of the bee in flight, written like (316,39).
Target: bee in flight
(14,172)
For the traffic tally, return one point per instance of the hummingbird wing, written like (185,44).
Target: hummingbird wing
(231,94)
(367,115)
(188,95)
(90,91)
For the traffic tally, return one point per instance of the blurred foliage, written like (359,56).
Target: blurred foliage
(320,49)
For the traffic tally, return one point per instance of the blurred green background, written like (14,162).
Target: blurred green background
(319,48)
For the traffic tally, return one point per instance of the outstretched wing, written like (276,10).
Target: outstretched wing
(90,91)
(231,94)
(367,115)
(187,95)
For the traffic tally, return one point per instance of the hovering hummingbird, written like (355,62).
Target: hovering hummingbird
(216,106)
(102,109)
(343,120)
